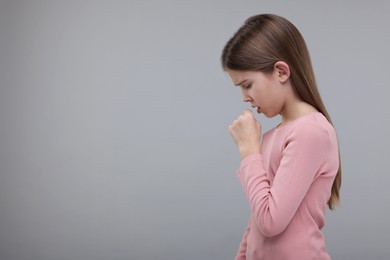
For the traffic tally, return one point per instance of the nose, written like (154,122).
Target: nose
(246,98)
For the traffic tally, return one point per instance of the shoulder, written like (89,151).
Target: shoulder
(312,130)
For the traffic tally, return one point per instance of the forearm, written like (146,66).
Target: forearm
(270,216)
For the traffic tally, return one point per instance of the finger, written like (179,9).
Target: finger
(247,114)
(232,127)
(248,111)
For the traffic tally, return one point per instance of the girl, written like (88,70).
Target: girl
(295,172)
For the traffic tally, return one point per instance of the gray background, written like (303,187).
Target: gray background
(114,116)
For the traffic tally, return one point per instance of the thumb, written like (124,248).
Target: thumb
(248,111)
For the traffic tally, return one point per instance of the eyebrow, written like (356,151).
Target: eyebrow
(239,83)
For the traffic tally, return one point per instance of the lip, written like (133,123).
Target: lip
(258,109)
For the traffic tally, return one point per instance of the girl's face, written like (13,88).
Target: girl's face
(263,90)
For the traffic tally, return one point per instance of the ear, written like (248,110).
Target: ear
(282,71)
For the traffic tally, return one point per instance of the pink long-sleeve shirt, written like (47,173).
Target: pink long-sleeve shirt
(288,186)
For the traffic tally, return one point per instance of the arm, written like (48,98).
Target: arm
(302,157)
(241,253)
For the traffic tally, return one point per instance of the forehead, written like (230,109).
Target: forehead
(239,76)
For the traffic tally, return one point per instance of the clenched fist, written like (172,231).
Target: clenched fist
(246,132)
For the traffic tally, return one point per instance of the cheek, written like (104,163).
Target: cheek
(257,96)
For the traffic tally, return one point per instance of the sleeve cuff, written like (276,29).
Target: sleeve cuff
(250,158)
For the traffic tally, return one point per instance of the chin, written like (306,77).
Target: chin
(271,115)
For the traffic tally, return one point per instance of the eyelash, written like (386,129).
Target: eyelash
(248,86)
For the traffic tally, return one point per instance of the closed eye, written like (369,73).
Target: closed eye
(248,86)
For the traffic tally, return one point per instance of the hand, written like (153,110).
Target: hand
(246,132)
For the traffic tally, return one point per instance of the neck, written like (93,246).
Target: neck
(295,109)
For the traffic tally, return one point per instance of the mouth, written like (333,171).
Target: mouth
(258,109)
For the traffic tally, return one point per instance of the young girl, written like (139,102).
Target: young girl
(295,172)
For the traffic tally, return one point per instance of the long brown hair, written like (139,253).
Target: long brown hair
(261,42)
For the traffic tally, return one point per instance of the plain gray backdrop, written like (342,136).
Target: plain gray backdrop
(114,117)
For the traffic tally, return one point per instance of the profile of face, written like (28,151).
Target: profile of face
(266,92)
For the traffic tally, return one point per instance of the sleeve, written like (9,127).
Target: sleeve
(241,253)
(274,206)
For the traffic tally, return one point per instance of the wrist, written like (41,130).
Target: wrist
(247,152)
